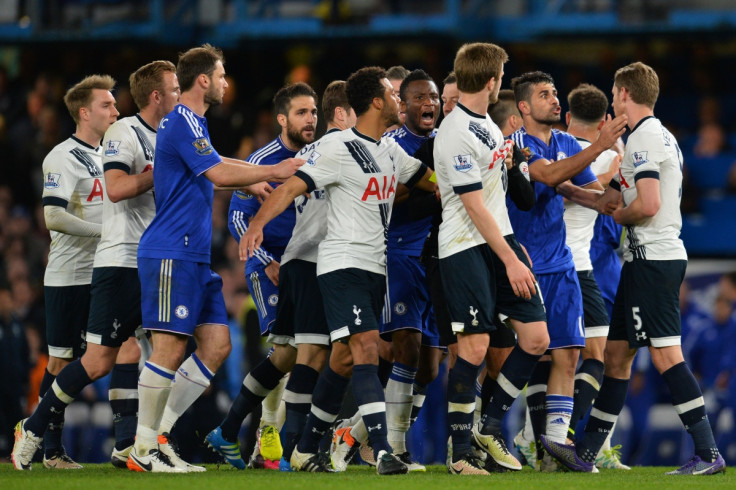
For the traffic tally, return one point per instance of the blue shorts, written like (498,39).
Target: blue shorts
(265,295)
(177,295)
(353,301)
(407,304)
(564,304)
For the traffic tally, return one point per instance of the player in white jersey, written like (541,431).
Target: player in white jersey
(128,208)
(72,199)
(646,309)
(360,171)
(483,267)
(586,116)
(299,313)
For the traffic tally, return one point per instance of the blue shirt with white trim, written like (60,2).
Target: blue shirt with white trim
(542,229)
(182,227)
(277,233)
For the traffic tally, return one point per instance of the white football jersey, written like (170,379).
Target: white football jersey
(129,145)
(579,220)
(311,215)
(652,152)
(360,176)
(73,180)
(469,153)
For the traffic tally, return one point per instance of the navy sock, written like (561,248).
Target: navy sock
(298,399)
(419,390)
(690,406)
(70,381)
(384,370)
(514,375)
(486,389)
(371,401)
(52,435)
(257,384)
(536,399)
(587,385)
(46,383)
(603,416)
(461,405)
(123,395)
(326,402)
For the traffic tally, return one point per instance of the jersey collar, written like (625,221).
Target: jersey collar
(85,144)
(471,113)
(144,123)
(365,137)
(640,122)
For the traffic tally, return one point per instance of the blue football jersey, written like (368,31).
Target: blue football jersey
(182,227)
(277,233)
(542,229)
(407,236)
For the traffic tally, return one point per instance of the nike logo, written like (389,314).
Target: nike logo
(143,466)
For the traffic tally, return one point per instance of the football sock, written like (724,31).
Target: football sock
(191,379)
(460,406)
(420,394)
(271,412)
(399,401)
(603,416)
(154,387)
(587,384)
(371,402)
(326,402)
(536,395)
(298,399)
(559,411)
(123,395)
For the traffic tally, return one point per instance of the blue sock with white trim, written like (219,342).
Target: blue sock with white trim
(603,416)
(298,399)
(369,396)
(123,396)
(461,405)
(326,403)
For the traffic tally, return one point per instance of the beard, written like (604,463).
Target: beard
(549,119)
(390,118)
(295,135)
(211,98)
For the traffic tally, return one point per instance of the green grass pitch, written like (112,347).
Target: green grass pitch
(104,476)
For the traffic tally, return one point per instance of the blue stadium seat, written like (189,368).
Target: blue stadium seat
(709,235)
(709,172)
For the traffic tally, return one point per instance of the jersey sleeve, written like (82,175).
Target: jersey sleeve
(60,179)
(118,148)
(646,162)
(193,144)
(586,176)
(410,169)
(322,167)
(460,158)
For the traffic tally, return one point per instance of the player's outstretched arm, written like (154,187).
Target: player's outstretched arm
(605,202)
(555,173)
(520,276)
(229,174)
(272,207)
(57,219)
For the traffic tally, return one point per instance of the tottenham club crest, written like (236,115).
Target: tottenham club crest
(181,311)
(462,163)
(474,312)
(356,312)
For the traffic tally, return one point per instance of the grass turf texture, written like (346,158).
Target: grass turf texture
(103,476)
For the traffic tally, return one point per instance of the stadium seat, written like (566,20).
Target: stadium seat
(709,172)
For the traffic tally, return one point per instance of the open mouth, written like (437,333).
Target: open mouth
(428,117)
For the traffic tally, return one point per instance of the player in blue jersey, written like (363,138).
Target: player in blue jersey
(180,296)
(407,319)
(646,194)
(555,157)
(296,112)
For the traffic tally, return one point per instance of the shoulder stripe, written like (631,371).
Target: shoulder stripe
(258,156)
(192,122)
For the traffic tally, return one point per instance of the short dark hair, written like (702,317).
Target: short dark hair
(397,72)
(412,77)
(450,78)
(503,108)
(148,78)
(363,86)
(587,103)
(333,98)
(522,85)
(641,81)
(195,62)
(282,99)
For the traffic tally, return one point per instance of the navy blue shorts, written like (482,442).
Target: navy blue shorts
(115,305)
(300,312)
(353,300)
(178,295)
(67,309)
(477,289)
(595,314)
(647,307)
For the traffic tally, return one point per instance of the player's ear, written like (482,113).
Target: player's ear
(567,118)
(282,120)
(402,106)
(524,107)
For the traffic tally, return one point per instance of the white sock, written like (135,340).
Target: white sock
(359,432)
(559,412)
(399,398)
(192,378)
(154,386)
(271,404)
(476,412)
(527,433)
